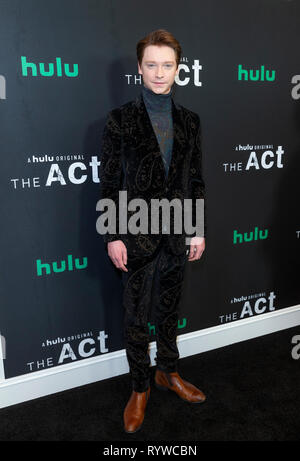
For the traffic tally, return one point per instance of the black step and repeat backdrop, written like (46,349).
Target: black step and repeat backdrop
(63,65)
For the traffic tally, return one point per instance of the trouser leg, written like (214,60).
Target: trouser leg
(153,282)
(169,279)
(138,284)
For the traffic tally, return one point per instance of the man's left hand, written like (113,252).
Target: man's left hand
(197,246)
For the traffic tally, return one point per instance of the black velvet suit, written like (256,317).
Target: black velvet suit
(131,160)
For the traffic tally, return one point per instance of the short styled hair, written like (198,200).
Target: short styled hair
(158,37)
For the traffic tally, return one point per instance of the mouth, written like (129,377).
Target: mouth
(158,83)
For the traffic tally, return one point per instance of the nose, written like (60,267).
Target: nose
(159,72)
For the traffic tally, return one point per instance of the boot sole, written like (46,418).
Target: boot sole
(163,388)
(132,432)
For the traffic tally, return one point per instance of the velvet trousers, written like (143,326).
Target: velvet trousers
(152,283)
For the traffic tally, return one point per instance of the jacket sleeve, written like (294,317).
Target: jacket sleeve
(111,171)
(196,182)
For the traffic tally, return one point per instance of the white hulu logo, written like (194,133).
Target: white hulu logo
(2,87)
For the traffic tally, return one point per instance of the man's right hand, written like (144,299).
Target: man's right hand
(117,252)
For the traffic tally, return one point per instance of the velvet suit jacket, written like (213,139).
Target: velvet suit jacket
(131,160)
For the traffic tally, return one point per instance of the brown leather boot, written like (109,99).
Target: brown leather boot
(172,381)
(135,411)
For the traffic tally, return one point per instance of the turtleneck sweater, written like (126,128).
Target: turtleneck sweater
(159,108)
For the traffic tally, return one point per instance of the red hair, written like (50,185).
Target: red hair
(158,37)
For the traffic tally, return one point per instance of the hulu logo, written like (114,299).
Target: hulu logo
(255,75)
(181,324)
(58,69)
(61,267)
(249,236)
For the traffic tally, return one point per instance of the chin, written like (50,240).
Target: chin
(158,89)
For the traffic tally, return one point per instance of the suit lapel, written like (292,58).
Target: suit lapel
(151,143)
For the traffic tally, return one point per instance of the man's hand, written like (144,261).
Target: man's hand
(117,252)
(197,246)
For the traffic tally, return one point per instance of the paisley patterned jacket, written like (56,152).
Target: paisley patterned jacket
(131,160)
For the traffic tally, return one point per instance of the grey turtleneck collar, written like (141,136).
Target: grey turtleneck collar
(159,108)
(157,102)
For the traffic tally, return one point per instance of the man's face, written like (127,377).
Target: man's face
(158,68)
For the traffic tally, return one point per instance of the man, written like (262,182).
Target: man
(151,149)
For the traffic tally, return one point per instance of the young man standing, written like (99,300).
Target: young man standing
(151,149)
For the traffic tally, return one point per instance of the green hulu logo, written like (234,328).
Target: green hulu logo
(59,70)
(255,75)
(180,324)
(54,267)
(249,236)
